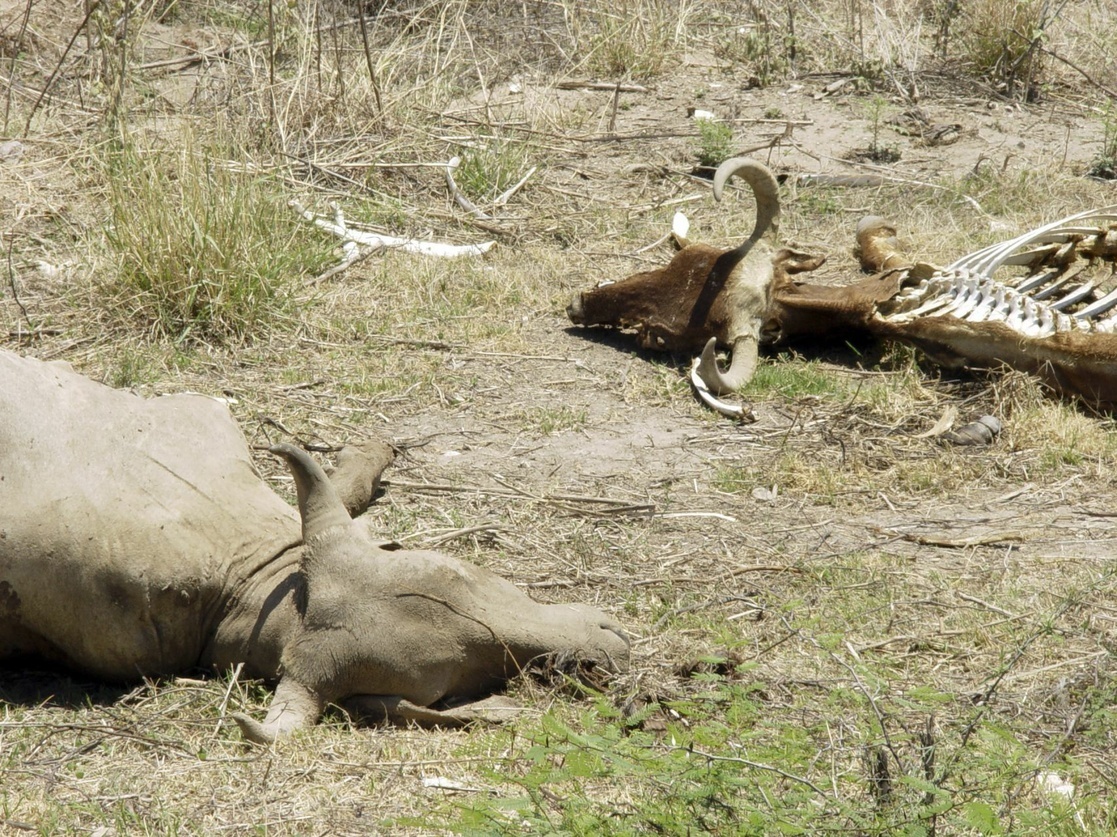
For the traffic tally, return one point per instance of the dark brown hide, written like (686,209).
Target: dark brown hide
(676,308)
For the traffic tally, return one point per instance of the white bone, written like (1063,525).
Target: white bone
(378,241)
(1099,307)
(462,201)
(737,411)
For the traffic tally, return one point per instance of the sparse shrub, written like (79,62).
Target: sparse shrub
(204,250)
(715,142)
(490,167)
(998,40)
(767,49)
(875,109)
(631,38)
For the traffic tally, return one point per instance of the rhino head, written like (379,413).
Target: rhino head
(381,625)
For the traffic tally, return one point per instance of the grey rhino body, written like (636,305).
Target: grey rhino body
(137,540)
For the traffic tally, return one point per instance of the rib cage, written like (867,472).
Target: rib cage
(1062,288)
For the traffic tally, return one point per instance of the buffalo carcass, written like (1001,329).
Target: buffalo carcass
(1041,303)
(705,297)
(136,539)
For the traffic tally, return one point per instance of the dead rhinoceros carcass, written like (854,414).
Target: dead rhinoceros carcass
(137,540)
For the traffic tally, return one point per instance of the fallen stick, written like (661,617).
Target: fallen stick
(601,85)
(460,199)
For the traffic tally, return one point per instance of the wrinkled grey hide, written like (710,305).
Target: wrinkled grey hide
(137,540)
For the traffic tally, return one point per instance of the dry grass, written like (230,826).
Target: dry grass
(881,592)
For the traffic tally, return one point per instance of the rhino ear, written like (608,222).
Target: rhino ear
(319,504)
(293,707)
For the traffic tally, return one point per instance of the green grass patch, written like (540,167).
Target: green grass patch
(715,142)
(794,378)
(204,249)
(490,166)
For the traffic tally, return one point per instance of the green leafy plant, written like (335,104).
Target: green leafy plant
(1104,164)
(715,142)
(876,106)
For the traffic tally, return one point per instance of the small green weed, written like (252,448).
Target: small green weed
(490,166)
(1104,165)
(715,142)
(876,107)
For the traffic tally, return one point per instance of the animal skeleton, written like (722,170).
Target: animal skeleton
(1054,319)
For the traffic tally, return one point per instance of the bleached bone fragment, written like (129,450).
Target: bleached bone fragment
(981,299)
(380,241)
(459,198)
(1035,256)
(680,228)
(940,295)
(1077,295)
(1052,289)
(988,259)
(965,286)
(992,301)
(1029,283)
(980,432)
(1066,323)
(1102,305)
(507,194)
(734,411)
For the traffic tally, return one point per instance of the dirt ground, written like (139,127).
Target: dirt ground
(584,469)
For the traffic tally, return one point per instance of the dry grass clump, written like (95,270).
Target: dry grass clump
(1001,41)
(222,265)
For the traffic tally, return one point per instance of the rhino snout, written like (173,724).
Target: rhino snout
(608,644)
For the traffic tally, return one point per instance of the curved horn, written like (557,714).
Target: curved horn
(293,707)
(320,507)
(765,190)
(741,368)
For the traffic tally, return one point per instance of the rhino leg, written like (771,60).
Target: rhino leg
(357,474)
(399,711)
(293,707)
